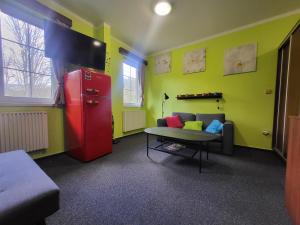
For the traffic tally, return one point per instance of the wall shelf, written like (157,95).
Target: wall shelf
(216,95)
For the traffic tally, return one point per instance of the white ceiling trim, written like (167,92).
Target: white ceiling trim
(227,32)
(71,13)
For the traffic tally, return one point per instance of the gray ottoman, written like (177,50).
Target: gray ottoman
(27,194)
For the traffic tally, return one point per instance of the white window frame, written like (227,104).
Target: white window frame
(131,64)
(22,101)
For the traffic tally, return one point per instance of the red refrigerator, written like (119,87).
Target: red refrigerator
(88,114)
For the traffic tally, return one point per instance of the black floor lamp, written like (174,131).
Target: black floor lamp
(165,98)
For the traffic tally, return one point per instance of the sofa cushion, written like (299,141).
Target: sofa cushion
(185,116)
(174,122)
(193,125)
(27,194)
(208,118)
(214,127)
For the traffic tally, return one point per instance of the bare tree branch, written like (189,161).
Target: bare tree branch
(28,56)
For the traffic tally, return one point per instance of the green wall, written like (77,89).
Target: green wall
(114,60)
(245,101)
(55,115)
(117,86)
(103,33)
(113,68)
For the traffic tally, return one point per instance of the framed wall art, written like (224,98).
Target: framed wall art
(163,63)
(241,59)
(194,61)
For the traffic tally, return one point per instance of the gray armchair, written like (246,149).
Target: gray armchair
(227,136)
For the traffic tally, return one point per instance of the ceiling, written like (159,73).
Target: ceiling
(134,22)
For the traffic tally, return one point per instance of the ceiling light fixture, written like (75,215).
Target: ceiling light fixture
(162,8)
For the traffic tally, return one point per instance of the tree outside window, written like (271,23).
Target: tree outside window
(26,72)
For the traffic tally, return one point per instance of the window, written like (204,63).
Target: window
(131,95)
(26,75)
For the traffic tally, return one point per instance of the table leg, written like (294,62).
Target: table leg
(147,144)
(206,148)
(200,161)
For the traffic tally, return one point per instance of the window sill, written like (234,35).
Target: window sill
(132,106)
(24,102)
(25,105)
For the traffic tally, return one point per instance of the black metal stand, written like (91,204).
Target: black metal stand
(200,161)
(195,148)
(147,145)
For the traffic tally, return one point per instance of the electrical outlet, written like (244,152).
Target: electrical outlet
(268,91)
(266,132)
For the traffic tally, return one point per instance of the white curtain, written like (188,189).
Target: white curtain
(141,80)
(59,69)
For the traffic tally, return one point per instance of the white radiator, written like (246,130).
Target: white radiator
(23,130)
(133,120)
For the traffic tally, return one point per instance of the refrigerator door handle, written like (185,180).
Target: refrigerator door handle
(91,102)
(91,90)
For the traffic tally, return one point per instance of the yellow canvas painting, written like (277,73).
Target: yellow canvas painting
(163,63)
(194,61)
(241,59)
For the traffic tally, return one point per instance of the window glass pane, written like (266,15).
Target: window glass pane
(126,70)
(39,63)
(133,72)
(41,86)
(126,83)
(133,84)
(36,37)
(133,97)
(14,55)
(16,83)
(126,96)
(130,84)
(13,29)
(27,72)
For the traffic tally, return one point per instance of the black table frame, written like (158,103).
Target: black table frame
(196,146)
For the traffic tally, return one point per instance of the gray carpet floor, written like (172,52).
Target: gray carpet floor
(126,187)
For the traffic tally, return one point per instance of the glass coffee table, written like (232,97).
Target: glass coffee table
(193,142)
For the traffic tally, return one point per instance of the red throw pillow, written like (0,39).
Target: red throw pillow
(174,121)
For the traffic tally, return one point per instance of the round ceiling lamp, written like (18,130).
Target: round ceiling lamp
(162,8)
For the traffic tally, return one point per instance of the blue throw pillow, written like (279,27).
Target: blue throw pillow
(214,127)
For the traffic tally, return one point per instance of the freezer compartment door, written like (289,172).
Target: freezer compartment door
(98,126)
(95,83)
